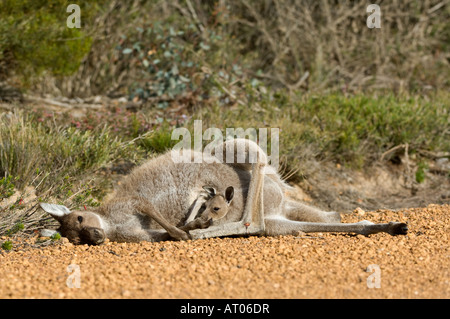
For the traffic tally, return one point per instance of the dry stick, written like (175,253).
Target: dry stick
(49,101)
(332,28)
(260,22)
(438,6)
(392,150)
(124,144)
(409,181)
(433,155)
(301,81)
(408,168)
(194,16)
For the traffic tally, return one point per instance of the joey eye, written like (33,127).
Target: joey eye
(216,208)
(80,218)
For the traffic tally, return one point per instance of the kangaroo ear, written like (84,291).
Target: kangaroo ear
(57,211)
(210,190)
(229,194)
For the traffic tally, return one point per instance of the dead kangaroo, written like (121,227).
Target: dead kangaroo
(154,200)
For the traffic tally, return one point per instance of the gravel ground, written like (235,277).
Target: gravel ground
(304,266)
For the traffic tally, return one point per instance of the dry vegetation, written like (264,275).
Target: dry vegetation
(308,45)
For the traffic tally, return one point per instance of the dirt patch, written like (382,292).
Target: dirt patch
(305,266)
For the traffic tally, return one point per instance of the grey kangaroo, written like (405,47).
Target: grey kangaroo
(156,199)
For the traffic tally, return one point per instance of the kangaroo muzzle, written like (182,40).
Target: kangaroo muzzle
(92,236)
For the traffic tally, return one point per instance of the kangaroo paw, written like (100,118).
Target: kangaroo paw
(178,234)
(396,228)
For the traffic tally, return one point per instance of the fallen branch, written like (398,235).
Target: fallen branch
(433,155)
(393,150)
(48,101)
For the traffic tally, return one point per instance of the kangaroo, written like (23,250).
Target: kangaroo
(215,208)
(153,201)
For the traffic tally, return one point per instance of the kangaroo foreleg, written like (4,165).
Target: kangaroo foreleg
(148,209)
(198,223)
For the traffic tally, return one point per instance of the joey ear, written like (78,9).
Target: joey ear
(210,190)
(229,194)
(57,211)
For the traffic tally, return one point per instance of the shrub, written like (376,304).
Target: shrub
(7,245)
(6,187)
(168,59)
(34,37)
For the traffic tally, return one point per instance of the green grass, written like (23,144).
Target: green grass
(7,245)
(6,187)
(159,140)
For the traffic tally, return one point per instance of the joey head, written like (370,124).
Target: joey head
(216,207)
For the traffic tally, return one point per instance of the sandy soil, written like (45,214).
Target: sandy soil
(304,266)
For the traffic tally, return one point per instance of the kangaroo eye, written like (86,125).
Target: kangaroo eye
(216,208)
(80,218)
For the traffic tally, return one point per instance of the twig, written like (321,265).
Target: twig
(433,155)
(260,22)
(224,89)
(301,81)
(124,144)
(393,149)
(49,101)
(437,7)
(194,16)
(408,168)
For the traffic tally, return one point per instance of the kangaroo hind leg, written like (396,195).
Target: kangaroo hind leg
(278,225)
(297,211)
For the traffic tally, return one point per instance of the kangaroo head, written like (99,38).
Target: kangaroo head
(80,227)
(216,207)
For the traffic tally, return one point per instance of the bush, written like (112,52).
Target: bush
(34,37)
(6,187)
(7,245)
